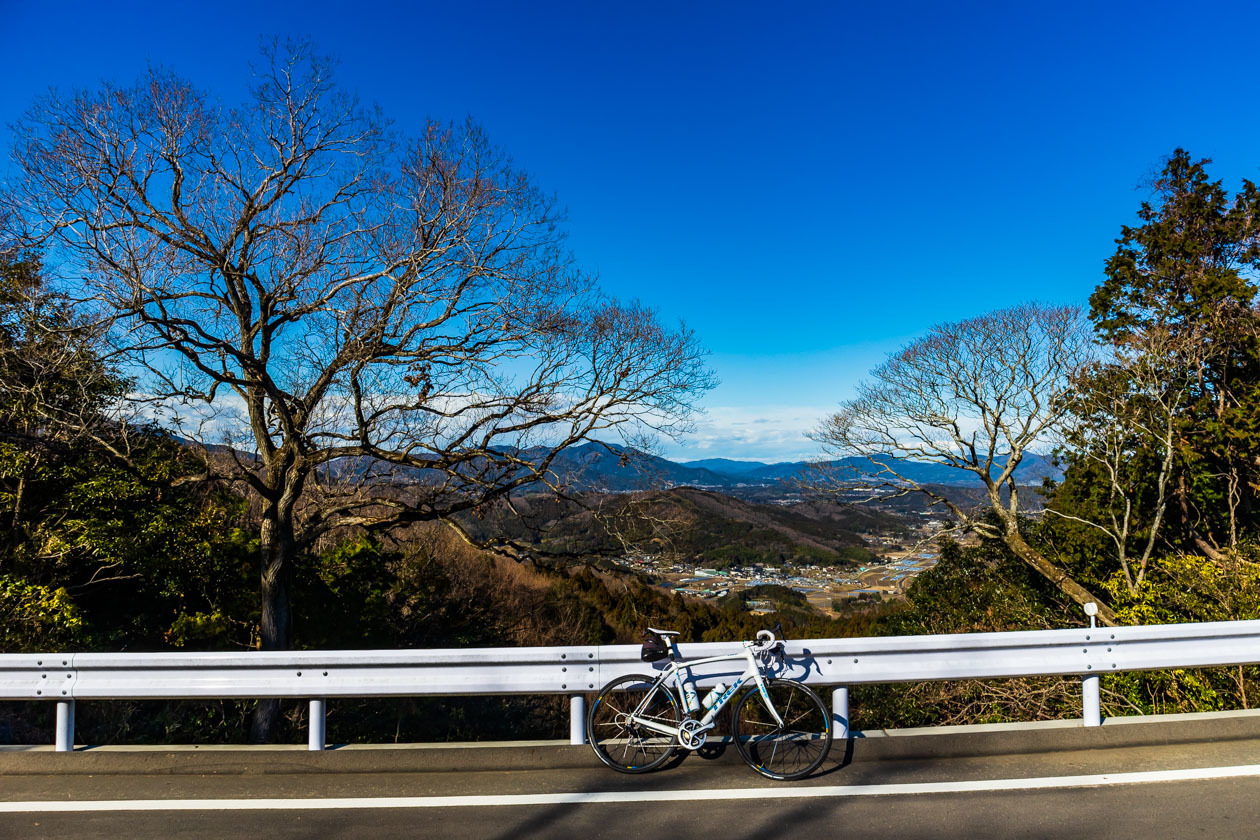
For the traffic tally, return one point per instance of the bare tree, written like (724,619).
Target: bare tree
(1127,411)
(972,395)
(384,330)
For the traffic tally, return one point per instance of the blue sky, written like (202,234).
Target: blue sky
(807,185)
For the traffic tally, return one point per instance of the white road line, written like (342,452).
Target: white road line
(597,797)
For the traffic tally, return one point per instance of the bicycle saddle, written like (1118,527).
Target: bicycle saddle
(663,632)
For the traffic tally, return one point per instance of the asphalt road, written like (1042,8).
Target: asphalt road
(1110,790)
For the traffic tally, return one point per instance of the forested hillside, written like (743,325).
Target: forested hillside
(691,524)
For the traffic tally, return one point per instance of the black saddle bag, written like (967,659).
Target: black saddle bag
(654,648)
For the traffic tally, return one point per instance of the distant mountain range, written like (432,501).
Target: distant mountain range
(607,467)
(596,466)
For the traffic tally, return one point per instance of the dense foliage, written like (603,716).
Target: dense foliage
(104,548)
(1162,474)
(1177,308)
(982,588)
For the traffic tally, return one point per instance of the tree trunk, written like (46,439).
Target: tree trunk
(1208,550)
(278,552)
(1020,547)
(16,535)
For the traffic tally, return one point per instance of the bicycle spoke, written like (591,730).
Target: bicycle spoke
(616,721)
(787,707)
(789,751)
(796,719)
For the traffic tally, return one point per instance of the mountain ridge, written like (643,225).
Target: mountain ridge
(610,467)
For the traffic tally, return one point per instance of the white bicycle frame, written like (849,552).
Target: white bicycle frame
(685,685)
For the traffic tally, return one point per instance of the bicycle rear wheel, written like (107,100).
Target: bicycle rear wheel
(623,745)
(792,751)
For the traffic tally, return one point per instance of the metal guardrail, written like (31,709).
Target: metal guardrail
(579,670)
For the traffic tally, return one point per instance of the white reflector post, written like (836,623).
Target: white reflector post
(65,726)
(315,726)
(1091,702)
(840,711)
(577,719)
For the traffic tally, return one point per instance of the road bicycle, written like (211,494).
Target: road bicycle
(780,727)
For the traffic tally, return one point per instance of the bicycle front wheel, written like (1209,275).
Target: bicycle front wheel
(622,744)
(787,752)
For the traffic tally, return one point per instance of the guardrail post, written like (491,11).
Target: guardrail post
(1091,701)
(316,725)
(577,719)
(840,711)
(65,726)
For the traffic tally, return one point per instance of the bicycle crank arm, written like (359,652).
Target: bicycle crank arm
(655,726)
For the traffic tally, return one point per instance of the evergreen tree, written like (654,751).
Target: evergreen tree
(1185,273)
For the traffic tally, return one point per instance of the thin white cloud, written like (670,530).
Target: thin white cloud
(751,433)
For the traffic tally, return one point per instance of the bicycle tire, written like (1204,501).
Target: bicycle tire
(793,751)
(621,745)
